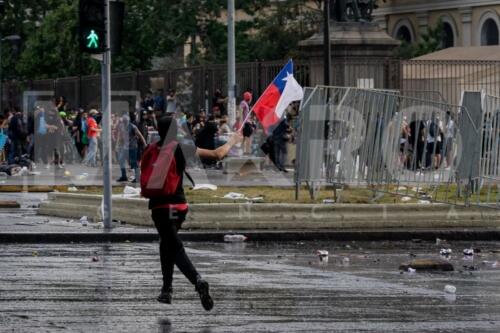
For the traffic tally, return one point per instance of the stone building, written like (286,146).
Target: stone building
(466,22)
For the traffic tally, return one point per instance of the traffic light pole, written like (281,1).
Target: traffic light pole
(106,125)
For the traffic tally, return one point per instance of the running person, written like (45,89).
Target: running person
(168,212)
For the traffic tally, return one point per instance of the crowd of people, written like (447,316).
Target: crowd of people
(54,134)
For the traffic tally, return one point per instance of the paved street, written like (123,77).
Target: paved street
(257,288)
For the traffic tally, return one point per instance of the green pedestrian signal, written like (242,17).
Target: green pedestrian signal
(93,40)
(92,26)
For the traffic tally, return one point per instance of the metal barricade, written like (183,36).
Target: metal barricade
(397,144)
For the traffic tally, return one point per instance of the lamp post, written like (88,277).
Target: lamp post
(11,38)
(326,42)
(231,63)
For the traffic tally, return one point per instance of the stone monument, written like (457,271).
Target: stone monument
(358,47)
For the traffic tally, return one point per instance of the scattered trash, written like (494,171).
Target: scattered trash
(67,173)
(99,225)
(468,252)
(34,253)
(329,201)
(234,196)
(205,187)
(424,202)
(445,252)
(411,270)
(402,188)
(256,199)
(346,261)
(428,265)
(95,259)
(72,189)
(323,255)
(83,176)
(235,238)
(405,199)
(84,221)
(449,289)
(438,241)
(131,191)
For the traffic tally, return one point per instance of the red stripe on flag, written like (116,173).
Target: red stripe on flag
(266,105)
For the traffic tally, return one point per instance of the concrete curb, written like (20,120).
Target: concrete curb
(263,216)
(260,236)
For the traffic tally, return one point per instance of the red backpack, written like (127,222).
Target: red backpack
(159,176)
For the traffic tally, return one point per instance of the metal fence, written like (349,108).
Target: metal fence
(441,80)
(416,148)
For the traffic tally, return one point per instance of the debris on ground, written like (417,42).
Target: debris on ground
(72,189)
(329,201)
(424,202)
(99,225)
(82,176)
(205,187)
(411,270)
(323,255)
(346,261)
(428,265)
(468,252)
(405,199)
(438,241)
(84,221)
(445,252)
(234,196)
(449,289)
(235,238)
(95,259)
(34,253)
(131,191)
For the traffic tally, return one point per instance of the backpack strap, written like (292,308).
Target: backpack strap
(190,178)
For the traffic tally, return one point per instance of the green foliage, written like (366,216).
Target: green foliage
(431,41)
(153,28)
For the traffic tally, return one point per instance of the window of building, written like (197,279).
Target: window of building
(404,34)
(448,36)
(489,33)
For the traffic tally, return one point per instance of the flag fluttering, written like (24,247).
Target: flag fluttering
(271,105)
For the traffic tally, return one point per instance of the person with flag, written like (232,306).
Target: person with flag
(270,109)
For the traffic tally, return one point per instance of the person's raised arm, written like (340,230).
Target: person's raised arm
(221,152)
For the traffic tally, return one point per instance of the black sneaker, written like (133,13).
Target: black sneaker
(122,179)
(134,181)
(206,300)
(165,295)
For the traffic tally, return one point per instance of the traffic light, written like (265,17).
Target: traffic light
(92,30)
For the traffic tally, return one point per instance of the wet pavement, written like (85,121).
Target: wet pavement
(26,220)
(257,287)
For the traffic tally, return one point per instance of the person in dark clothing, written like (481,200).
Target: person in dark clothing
(218,104)
(169,213)
(205,138)
(17,136)
(281,136)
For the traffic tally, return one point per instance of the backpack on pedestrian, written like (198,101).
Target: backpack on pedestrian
(159,175)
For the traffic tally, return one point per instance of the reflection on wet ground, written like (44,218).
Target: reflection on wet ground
(257,287)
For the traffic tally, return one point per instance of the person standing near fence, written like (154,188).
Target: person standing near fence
(128,139)
(17,136)
(93,132)
(249,124)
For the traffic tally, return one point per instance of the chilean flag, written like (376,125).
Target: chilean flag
(272,104)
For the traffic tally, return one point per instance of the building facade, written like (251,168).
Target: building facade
(465,22)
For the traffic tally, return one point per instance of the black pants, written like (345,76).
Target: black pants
(168,222)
